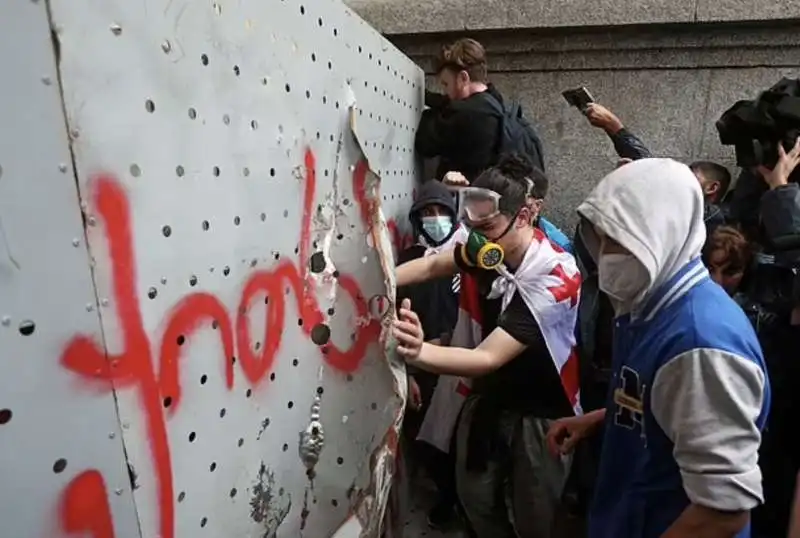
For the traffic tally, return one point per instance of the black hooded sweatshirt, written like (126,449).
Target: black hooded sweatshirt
(464,134)
(436,301)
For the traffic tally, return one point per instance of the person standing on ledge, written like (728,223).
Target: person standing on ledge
(467,128)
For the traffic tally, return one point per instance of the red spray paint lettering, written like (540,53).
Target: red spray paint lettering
(156,376)
(369,205)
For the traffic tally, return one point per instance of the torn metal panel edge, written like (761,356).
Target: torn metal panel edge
(368,506)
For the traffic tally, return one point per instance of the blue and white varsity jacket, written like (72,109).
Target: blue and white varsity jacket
(689,394)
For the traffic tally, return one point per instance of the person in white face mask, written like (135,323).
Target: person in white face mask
(689,393)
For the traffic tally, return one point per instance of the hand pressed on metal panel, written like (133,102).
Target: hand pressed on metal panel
(408,331)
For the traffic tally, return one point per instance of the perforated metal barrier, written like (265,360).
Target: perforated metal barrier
(198,207)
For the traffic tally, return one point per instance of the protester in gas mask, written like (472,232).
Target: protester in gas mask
(514,339)
(433,219)
(683,421)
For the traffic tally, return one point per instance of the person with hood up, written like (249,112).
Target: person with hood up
(433,220)
(689,393)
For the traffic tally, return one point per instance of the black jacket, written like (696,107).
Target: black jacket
(464,134)
(436,301)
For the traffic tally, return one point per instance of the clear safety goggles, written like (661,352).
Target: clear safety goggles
(476,205)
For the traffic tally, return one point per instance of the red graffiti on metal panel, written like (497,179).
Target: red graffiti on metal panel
(368,203)
(84,509)
(156,374)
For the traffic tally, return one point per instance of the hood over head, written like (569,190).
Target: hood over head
(654,209)
(433,192)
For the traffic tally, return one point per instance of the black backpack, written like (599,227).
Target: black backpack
(517,135)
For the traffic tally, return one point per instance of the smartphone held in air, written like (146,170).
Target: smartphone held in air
(580,98)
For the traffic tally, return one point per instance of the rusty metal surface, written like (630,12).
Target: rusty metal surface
(244,171)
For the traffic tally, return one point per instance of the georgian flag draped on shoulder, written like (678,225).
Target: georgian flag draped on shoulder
(548,280)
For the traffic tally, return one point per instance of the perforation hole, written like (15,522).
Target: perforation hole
(181,496)
(150,106)
(216,171)
(204,59)
(254,125)
(192,113)
(5,416)
(321,334)
(317,262)
(236,70)
(203,379)
(179,171)
(192,437)
(167,231)
(135,170)
(203,522)
(27,328)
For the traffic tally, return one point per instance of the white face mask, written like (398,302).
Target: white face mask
(622,277)
(437,228)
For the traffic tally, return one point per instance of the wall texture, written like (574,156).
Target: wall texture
(668,69)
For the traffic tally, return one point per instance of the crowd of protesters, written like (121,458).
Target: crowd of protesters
(636,374)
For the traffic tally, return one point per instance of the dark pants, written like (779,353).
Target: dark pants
(438,465)
(518,493)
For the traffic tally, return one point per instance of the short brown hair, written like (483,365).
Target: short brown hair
(733,243)
(463,55)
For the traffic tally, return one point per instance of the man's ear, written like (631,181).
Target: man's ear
(523,218)
(712,188)
(463,77)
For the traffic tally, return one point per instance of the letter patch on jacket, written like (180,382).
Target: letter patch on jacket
(629,400)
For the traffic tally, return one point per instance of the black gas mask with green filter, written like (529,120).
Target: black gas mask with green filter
(477,206)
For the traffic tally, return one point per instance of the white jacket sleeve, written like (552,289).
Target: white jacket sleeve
(707,401)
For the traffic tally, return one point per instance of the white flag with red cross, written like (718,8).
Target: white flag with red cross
(549,281)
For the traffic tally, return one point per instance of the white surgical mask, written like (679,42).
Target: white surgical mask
(622,277)
(437,228)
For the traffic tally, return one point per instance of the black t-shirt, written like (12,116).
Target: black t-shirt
(530,382)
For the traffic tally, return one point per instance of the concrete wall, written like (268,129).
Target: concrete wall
(668,69)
